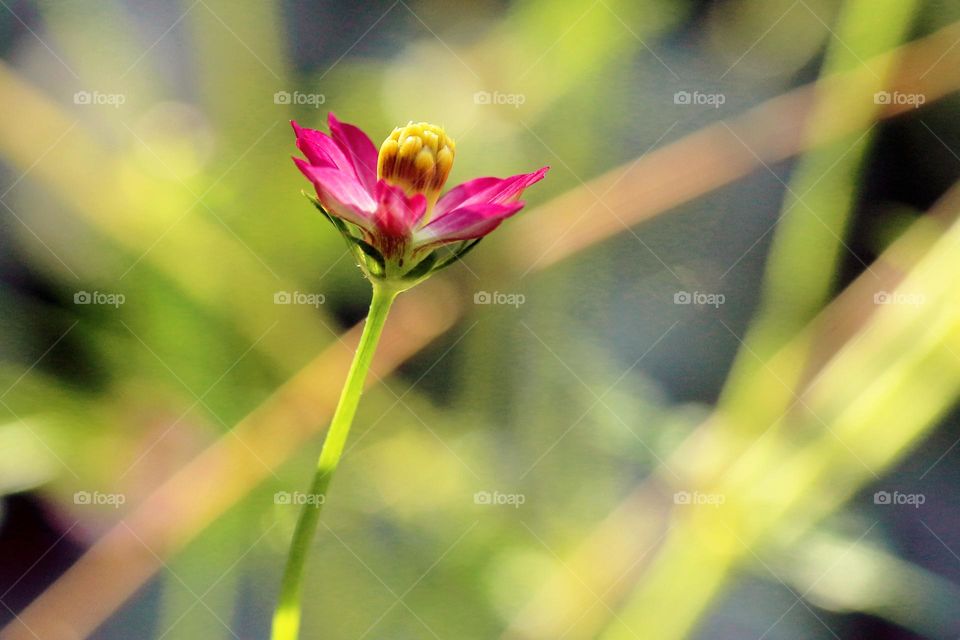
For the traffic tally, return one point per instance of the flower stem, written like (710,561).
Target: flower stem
(286,618)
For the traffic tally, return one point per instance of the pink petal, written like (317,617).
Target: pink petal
(397,214)
(358,148)
(494,190)
(340,193)
(466,222)
(320,149)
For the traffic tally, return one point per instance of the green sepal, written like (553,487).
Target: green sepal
(423,268)
(335,221)
(353,242)
(463,250)
(369,250)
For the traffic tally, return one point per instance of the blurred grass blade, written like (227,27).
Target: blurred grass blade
(809,240)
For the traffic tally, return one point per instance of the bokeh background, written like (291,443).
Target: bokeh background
(702,387)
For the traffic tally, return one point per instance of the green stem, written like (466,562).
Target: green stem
(286,618)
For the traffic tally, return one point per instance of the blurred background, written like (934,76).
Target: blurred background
(702,387)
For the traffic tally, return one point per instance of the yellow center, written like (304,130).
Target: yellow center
(418,159)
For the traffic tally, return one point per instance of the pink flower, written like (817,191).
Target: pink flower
(391,200)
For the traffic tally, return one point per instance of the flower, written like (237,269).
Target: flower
(388,204)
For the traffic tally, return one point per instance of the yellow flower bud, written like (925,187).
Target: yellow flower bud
(418,159)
